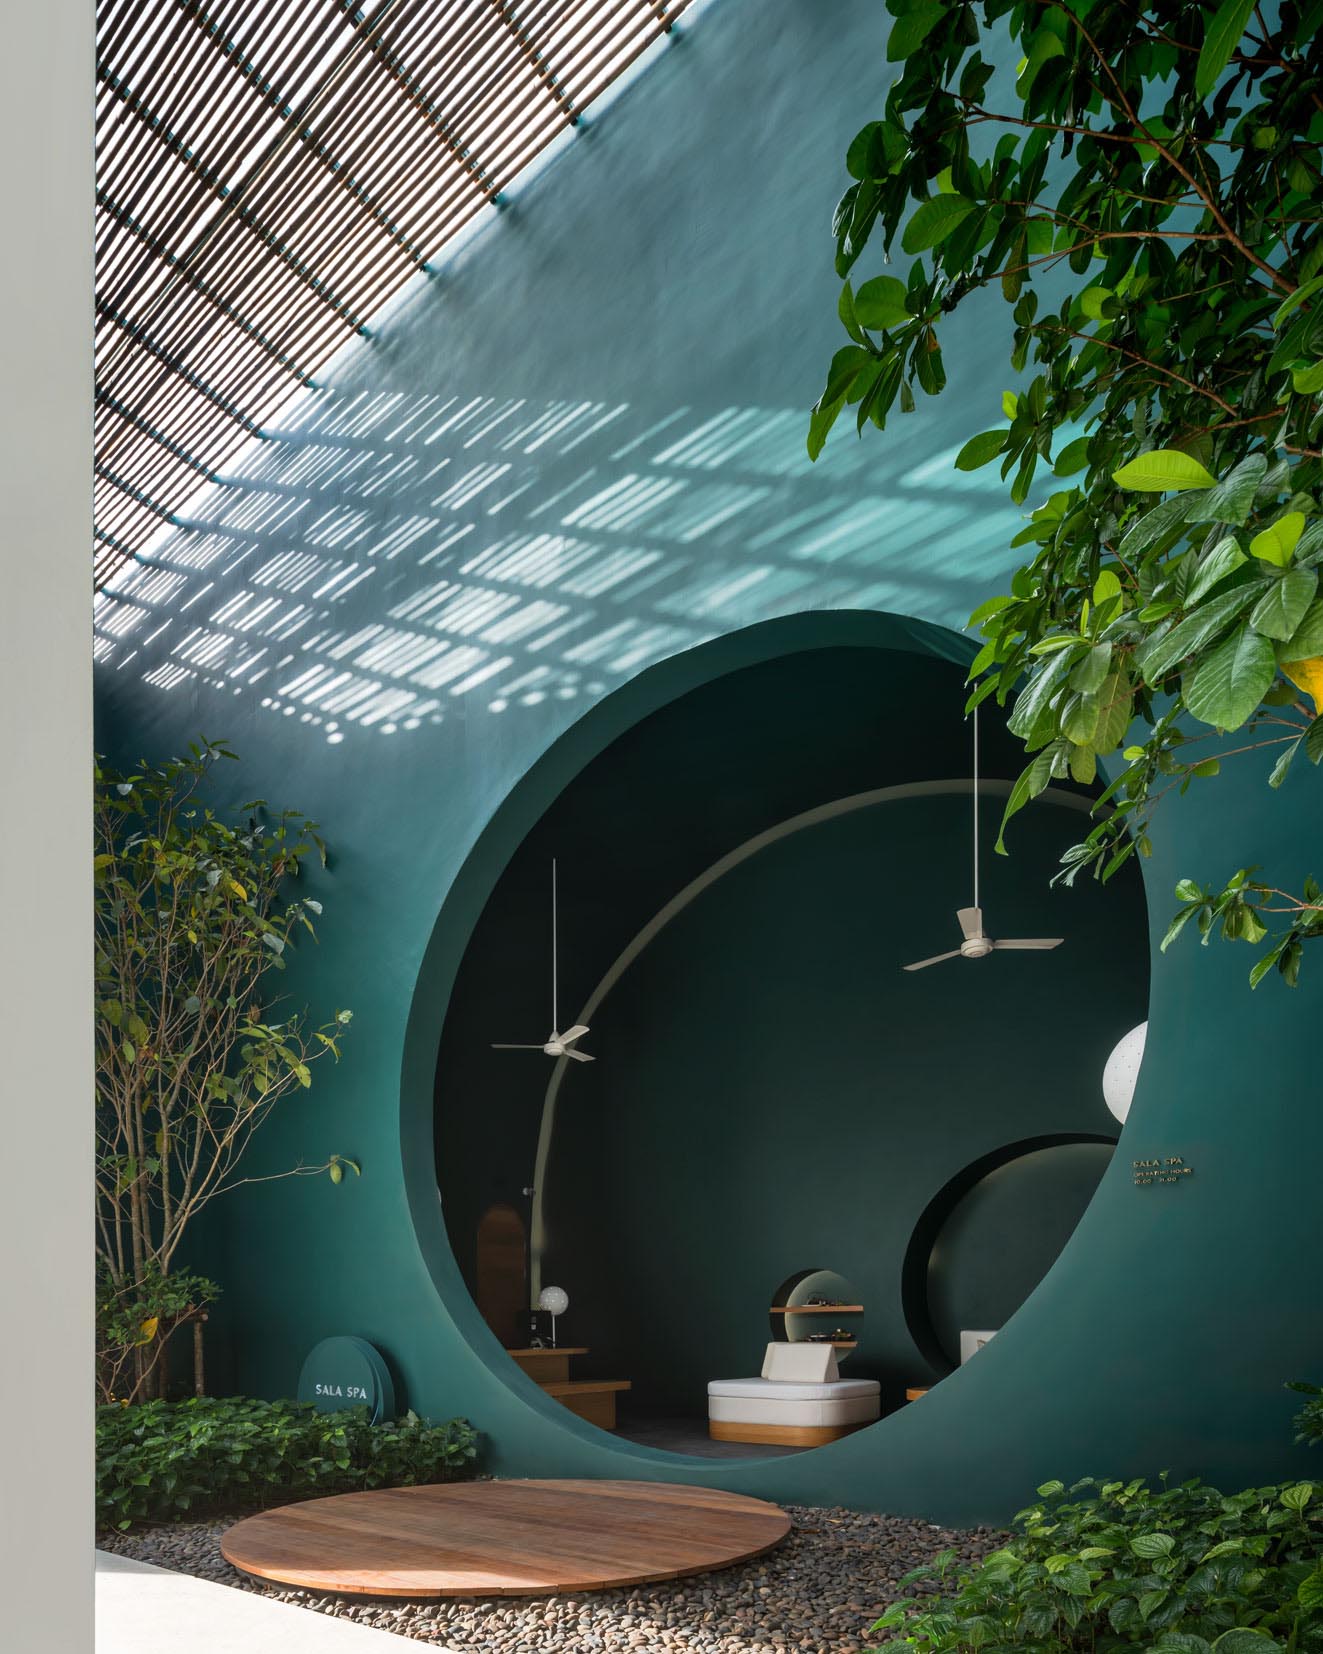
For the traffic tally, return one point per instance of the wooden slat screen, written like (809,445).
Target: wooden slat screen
(269,171)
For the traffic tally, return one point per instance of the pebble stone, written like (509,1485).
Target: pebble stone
(817,1593)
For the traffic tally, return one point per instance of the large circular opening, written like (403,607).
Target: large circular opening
(741,875)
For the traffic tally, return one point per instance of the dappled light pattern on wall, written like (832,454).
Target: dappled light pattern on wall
(522,550)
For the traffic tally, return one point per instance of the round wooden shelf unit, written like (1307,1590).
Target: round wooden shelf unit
(503,1539)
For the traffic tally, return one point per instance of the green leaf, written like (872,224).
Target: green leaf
(1305,291)
(1297,1497)
(1073,457)
(1106,587)
(1199,627)
(1277,542)
(1241,1640)
(1233,498)
(1010,404)
(1083,765)
(911,30)
(933,221)
(336,1171)
(1224,559)
(1282,767)
(1220,40)
(980,449)
(882,302)
(1306,642)
(1030,783)
(1116,711)
(1282,607)
(1092,301)
(1309,1592)
(821,421)
(845,310)
(1228,685)
(1308,381)
(989,607)
(1044,45)
(1034,700)
(1163,470)
(875,151)
(1151,1545)
(1090,674)
(1314,741)
(1150,528)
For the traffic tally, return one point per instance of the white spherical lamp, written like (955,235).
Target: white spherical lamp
(1122,1071)
(555,1300)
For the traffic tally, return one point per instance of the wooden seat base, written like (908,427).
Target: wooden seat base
(782,1435)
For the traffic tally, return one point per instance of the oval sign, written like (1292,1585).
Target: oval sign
(347,1372)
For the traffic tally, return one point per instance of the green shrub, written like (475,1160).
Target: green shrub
(1181,1569)
(167,1459)
(1309,1420)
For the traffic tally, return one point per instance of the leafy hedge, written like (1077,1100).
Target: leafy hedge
(167,1459)
(1309,1420)
(1175,1570)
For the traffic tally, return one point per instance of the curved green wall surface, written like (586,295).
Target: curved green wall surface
(562,485)
(773,1092)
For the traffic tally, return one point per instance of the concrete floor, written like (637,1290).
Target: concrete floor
(683,1433)
(141,1609)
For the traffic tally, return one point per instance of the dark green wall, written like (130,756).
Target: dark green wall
(775,1094)
(559,486)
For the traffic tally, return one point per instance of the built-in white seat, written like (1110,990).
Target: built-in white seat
(798,1396)
(782,1401)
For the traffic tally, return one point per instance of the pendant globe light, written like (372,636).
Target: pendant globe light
(1121,1071)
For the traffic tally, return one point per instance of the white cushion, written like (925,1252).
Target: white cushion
(788,1391)
(772,1401)
(811,1362)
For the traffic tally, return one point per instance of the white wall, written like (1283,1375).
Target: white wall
(45,875)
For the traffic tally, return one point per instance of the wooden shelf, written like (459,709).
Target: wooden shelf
(584,1386)
(816,1309)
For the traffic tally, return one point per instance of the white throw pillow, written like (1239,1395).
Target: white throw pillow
(802,1363)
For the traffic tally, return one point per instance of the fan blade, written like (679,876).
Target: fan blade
(1032,942)
(579,1056)
(935,960)
(516,1047)
(572,1034)
(971,922)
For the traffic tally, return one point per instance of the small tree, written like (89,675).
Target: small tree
(193,918)
(1160,164)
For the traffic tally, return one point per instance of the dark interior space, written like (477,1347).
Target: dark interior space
(772,1093)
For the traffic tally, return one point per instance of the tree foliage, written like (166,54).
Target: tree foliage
(1145,197)
(1122,1565)
(194,917)
(179,1460)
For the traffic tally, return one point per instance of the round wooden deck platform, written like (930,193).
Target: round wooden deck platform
(503,1539)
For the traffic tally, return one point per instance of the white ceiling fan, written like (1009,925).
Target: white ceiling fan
(977,943)
(556,1044)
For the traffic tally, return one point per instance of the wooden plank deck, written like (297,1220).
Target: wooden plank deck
(516,1538)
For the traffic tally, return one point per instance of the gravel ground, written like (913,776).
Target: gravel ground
(818,1591)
